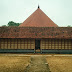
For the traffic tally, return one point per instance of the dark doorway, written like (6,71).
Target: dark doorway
(37,44)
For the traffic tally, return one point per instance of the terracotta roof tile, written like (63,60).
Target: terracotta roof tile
(38,19)
(36,32)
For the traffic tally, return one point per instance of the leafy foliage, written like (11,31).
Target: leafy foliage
(69,26)
(3,25)
(11,23)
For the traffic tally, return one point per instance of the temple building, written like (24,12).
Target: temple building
(37,34)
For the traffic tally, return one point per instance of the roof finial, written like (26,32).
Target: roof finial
(38,6)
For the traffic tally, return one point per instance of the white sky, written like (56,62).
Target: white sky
(60,11)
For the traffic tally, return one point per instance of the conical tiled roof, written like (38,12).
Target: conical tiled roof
(38,19)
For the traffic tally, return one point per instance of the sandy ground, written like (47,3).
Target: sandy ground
(19,62)
(38,64)
(13,63)
(60,64)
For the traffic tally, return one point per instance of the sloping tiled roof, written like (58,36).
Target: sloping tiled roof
(38,19)
(36,32)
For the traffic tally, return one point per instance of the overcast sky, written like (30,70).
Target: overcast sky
(60,11)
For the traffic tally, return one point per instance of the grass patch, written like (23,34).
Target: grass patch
(60,64)
(13,63)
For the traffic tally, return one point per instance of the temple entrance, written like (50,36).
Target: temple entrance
(37,45)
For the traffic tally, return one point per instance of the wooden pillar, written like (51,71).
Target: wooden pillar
(61,43)
(34,45)
(7,42)
(58,43)
(64,43)
(30,43)
(48,44)
(45,44)
(0,43)
(10,43)
(24,43)
(41,45)
(51,43)
(54,43)
(27,43)
(14,44)
(68,44)
(4,44)
(20,43)
(17,43)
(71,44)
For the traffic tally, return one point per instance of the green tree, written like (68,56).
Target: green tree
(69,26)
(11,23)
(3,25)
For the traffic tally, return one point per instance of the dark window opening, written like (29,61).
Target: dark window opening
(37,44)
